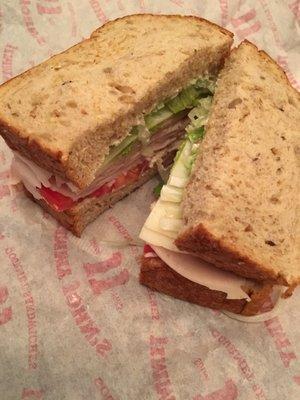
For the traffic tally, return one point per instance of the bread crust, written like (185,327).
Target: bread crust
(268,58)
(64,162)
(198,240)
(170,16)
(157,275)
(45,158)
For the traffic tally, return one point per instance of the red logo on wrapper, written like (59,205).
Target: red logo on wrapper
(1,20)
(29,305)
(61,253)
(228,392)
(282,59)
(5,312)
(45,8)
(142,5)
(117,300)
(271,22)
(106,395)
(87,326)
(103,266)
(100,285)
(98,10)
(153,305)
(4,191)
(281,341)
(95,246)
(224,12)
(247,20)
(120,5)
(178,3)
(32,394)
(83,320)
(28,21)
(201,367)
(4,174)
(2,157)
(162,382)
(295,8)
(72,20)
(241,362)
(283,62)
(297,379)
(7,62)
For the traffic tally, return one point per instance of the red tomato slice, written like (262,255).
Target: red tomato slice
(62,203)
(56,200)
(120,181)
(104,189)
(133,174)
(148,249)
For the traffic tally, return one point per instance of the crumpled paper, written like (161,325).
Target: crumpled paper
(74,321)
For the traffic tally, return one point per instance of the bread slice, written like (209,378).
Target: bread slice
(65,113)
(157,275)
(241,206)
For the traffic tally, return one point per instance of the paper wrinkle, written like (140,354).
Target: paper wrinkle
(74,321)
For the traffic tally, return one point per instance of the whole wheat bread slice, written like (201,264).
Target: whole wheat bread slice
(157,275)
(241,206)
(65,113)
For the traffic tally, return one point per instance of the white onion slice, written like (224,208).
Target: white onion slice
(171,224)
(171,193)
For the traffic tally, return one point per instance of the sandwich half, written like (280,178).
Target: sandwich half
(225,230)
(93,123)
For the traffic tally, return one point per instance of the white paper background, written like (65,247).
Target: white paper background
(65,332)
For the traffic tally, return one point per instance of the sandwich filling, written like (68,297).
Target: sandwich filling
(165,220)
(195,270)
(145,146)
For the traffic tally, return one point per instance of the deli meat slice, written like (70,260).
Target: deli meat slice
(35,178)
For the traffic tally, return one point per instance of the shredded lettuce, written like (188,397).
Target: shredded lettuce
(143,134)
(127,149)
(157,189)
(206,84)
(194,135)
(199,115)
(156,117)
(197,97)
(185,99)
(187,153)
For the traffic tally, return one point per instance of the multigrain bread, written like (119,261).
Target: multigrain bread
(158,276)
(241,206)
(65,113)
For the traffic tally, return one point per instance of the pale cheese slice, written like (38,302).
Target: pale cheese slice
(196,270)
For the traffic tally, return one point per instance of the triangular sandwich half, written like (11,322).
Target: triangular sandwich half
(91,124)
(232,199)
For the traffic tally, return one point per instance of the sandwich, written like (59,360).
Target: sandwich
(224,233)
(90,125)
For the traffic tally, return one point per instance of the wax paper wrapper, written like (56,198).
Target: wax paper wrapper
(74,321)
